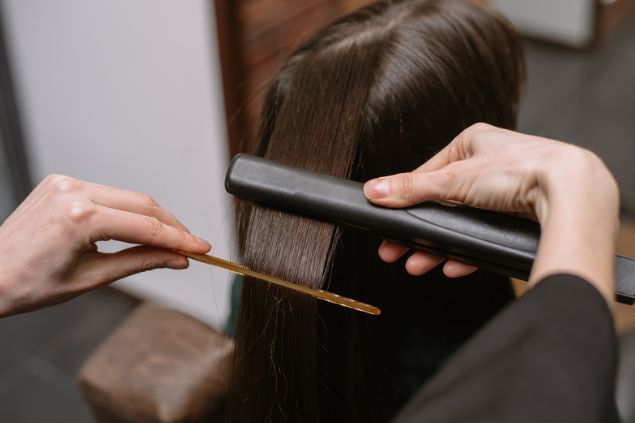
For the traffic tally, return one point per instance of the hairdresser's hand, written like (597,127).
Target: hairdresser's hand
(568,189)
(48,251)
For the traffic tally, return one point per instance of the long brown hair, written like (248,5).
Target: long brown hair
(375,93)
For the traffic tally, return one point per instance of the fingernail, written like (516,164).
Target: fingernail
(202,241)
(179,263)
(377,188)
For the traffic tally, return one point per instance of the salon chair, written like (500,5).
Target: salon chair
(160,365)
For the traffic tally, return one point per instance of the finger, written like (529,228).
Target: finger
(391,252)
(444,157)
(460,148)
(406,189)
(139,229)
(133,202)
(420,263)
(456,269)
(438,161)
(98,269)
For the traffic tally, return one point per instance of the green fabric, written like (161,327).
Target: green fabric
(234,301)
(617,418)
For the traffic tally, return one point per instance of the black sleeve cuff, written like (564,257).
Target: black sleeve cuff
(549,357)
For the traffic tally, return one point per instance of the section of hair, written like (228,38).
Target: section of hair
(375,93)
(317,127)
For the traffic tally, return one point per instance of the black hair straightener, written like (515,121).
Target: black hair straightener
(492,241)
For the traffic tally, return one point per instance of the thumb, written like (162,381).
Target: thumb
(407,189)
(105,268)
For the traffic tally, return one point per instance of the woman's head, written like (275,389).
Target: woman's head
(437,65)
(377,92)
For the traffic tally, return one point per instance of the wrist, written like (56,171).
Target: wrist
(5,299)
(578,212)
(11,292)
(576,183)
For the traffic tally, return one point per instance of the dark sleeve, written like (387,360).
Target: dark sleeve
(548,357)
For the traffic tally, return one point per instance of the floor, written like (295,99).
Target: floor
(587,98)
(41,352)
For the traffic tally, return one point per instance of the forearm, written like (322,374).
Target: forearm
(579,219)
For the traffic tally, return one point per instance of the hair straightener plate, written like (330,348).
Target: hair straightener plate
(492,241)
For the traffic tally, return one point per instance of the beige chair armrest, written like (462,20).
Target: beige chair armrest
(161,366)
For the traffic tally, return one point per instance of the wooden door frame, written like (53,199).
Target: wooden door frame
(228,33)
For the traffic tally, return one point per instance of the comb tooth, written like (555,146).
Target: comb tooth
(316,293)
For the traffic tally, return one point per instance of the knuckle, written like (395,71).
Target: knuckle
(148,264)
(149,202)
(53,177)
(475,135)
(79,211)
(48,179)
(563,153)
(584,155)
(455,148)
(448,175)
(63,184)
(155,228)
(405,185)
(442,183)
(480,127)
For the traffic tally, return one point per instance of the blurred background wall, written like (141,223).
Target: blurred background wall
(128,93)
(567,21)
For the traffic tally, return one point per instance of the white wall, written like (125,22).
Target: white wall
(128,93)
(565,21)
